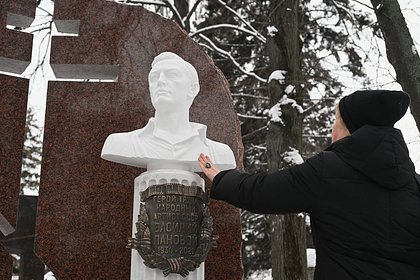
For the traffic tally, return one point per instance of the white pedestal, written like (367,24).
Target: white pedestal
(163,176)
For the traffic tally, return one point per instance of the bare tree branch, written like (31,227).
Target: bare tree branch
(251,117)
(249,96)
(139,2)
(231,26)
(175,12)
(231,58)
(255,132)
(363,4)
(241,19)
(192,10)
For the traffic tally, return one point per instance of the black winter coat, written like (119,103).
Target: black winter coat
(363,201)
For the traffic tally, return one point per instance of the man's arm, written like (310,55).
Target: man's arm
(290,190)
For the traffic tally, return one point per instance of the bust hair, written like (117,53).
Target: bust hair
(189,69)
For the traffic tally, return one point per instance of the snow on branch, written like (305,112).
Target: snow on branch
(339,6)
(275,111)
(289,89)
(231,26)
(251,117)
(139,2)
(250,96)
(258,147)
(275,114)
(230,57)
(241,19)
(286,101)
(272,30)
(292,157)
(278,75)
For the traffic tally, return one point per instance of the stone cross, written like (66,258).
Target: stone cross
(39,71)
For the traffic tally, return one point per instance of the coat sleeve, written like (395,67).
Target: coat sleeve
(291,190)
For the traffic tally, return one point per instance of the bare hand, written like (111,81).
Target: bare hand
(208,167)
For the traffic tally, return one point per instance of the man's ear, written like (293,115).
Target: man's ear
(195,88)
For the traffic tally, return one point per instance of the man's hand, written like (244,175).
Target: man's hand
(208,167)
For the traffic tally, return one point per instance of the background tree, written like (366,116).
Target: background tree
(31,154)
(288,246)
(314,37)
(400,49)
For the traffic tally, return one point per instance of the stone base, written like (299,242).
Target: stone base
(138,270)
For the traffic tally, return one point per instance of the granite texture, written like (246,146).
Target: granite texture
(13,99)
(85,204)
(12,124)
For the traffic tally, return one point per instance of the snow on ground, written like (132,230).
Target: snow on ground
(266,274)
(311,256)
(48,276)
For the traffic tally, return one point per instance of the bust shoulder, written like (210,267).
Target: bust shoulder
(222,155)
(119,144)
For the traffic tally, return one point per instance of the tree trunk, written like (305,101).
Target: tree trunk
(400,50)
(288,239)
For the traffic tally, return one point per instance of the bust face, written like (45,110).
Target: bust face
(169,86)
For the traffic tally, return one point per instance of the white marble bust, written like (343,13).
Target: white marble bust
(169,140)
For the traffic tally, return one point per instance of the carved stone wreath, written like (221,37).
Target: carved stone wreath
(180,265)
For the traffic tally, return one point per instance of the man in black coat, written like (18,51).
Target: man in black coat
(361,193)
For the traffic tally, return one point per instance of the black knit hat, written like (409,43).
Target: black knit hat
(373,107)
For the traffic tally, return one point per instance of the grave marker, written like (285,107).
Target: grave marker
(84,211)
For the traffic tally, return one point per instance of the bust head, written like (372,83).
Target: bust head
(169,140)
(173,82)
